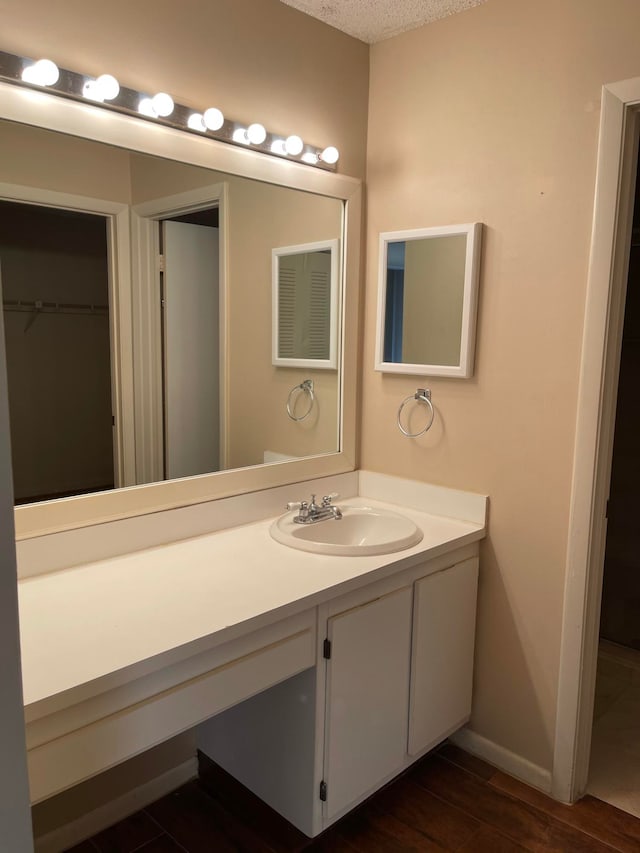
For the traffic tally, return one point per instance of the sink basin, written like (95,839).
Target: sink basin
(362,531)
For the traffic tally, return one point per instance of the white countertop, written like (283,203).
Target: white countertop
(83,623)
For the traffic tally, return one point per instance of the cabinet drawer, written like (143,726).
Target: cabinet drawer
(86,751)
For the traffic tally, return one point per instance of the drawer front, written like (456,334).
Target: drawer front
(84,752)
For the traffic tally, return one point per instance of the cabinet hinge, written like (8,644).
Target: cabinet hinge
(161,263)
(323,791)
(326,650)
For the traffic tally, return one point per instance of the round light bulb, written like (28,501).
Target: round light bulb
(310,158)
(162,104)
(330,155)
(278,146)
(108,87)
(256,134)
(240,135)
(196,122)
(91,91)
(213,118)
(294,145)
(44,72)
(145,108)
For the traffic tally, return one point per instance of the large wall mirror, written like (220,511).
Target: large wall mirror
(137,304)
(427,295)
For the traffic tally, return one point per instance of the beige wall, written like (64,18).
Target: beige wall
(492,115)
(257,60)
(32,157)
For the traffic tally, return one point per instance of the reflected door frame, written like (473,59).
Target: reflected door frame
(147,321)
(120,326)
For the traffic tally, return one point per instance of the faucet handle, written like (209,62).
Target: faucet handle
(326,500)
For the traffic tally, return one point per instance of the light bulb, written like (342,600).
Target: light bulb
(213,118)
(196,122)
(330,155)
(44,72)
(162,104)
(256,134)
(294,145)
(91,91)
(278,146)
(310,158)
(108,86)
(240,135)
(105,88)
(145,108)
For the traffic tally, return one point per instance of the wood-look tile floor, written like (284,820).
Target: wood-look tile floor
(448,801)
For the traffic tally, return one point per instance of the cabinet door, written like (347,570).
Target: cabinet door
(367,697)
(444,620)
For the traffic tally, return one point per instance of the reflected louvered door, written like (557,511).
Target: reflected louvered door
(287,280)
(304,305)
(319,308)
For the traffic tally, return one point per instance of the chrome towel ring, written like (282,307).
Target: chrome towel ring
(423,395)
(305,387)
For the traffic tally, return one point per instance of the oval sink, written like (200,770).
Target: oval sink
(362,531)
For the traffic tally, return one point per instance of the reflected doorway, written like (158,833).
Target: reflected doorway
(55,273)
(190,288)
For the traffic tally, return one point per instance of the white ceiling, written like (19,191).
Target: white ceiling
(375,20)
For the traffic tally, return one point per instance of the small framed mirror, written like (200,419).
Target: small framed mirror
(427,297)
(305,305)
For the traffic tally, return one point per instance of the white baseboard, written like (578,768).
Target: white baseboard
(503,759)
(116,810)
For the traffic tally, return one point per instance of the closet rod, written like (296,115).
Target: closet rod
(24,305)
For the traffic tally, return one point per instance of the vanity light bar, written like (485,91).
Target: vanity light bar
(106,92)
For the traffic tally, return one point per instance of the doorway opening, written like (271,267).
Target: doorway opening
(614,771)
(190,298)
(178,244)
(55,273)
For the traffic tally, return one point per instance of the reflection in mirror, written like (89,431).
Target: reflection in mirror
(427,300)
(97,241)
(305,305)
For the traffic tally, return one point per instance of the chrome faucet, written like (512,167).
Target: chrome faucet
(310,511)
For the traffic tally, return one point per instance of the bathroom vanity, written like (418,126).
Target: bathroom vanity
(314,679)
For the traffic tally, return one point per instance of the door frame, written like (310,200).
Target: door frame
(120,330)
(148,321)
(597,397)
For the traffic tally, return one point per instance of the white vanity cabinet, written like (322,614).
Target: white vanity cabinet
(367,697)
(398,677)
(312,679)
(392,679)
(444,619)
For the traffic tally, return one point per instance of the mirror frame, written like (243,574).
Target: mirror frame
(330,363)
(51,112)
(464,369)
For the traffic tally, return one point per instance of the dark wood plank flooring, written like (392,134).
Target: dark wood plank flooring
(449,801)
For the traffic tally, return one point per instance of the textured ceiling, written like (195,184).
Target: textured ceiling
(375,20)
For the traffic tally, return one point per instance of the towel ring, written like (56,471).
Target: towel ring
(423,395)
(305,387)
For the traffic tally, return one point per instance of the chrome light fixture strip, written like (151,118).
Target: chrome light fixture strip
(71,84)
